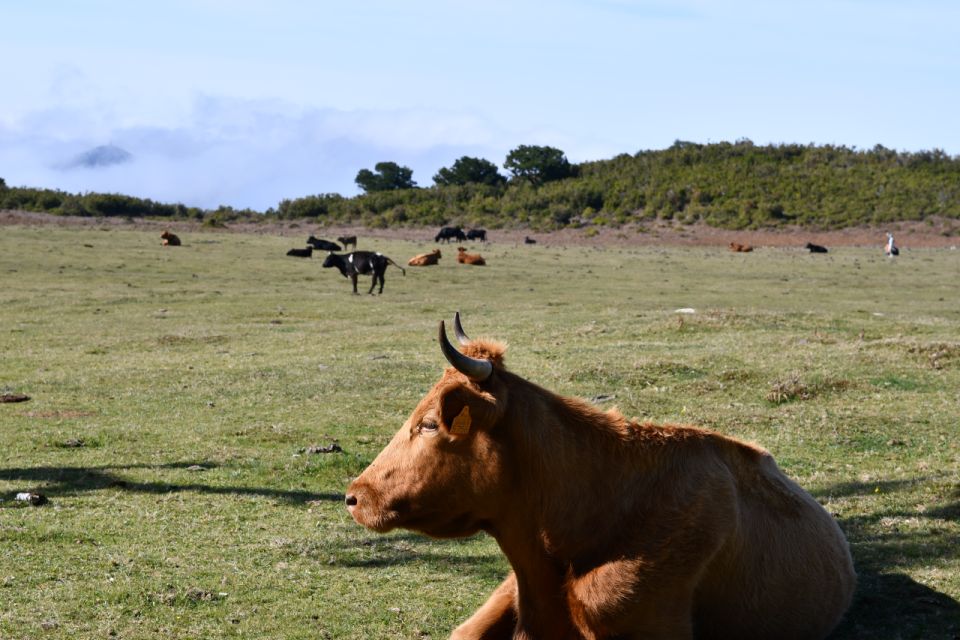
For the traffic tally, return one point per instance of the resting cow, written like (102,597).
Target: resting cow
(301,253)
(740,248)
(322,245)
(614,528)
(362,263)
(346,241)
(425,259)
(168,239)
(815,248)
(469,258)
(529,240)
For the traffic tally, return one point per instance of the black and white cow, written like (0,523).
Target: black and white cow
(362,263)
(451,233)
(322,245)
(477,234)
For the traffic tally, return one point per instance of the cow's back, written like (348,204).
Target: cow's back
(786,571)
(364,262)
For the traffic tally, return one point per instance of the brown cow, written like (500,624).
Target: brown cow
(425,259)
(469,258)
(614,528)
(740,248)
(346,241)
(168,239)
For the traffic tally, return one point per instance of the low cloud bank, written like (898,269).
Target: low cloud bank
(245,154)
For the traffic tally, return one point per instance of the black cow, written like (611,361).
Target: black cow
(815,248)
(529,240)
(451,233)
(477,234)
(301,253)
(346,241)
(322,245)
(361,263)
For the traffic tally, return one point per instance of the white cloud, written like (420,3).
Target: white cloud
(243,153)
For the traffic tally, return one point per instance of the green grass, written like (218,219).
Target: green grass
(196,376)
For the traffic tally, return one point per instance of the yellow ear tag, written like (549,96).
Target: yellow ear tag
(461,424)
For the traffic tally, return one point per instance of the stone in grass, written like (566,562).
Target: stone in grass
(203,595)
(333,447)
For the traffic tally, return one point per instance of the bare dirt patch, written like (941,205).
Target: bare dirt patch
(930,233)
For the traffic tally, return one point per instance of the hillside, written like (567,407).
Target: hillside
(734,186)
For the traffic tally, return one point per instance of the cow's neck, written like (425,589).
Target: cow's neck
(553,518)
(571,470)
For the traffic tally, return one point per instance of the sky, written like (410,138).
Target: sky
(246,103)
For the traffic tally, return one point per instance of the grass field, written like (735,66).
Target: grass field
(176,394)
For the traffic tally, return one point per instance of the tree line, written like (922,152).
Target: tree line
(736,185)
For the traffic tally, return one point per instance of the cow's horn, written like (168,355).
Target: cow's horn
(458,329)
(474,368)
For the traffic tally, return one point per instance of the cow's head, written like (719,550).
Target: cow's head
(333,260)
(443,472)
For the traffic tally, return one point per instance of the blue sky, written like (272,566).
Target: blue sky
(246,103)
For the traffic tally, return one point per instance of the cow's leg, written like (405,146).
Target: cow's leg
(373,283)
(618,599)
(353,277)
(496,619)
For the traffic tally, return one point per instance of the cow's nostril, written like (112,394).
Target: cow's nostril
(351,500)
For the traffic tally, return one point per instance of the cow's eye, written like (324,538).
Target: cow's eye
(427,427)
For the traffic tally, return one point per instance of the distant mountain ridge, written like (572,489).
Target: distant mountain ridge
(102,156)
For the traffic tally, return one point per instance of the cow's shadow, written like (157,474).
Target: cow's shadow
(893,605)
(887,603)
(410,548)
(65,481)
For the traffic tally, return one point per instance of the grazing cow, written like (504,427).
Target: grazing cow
(347,241)
(740,248)
(301,253)
(450,233)
(815,248)
(477,234)
(168,239)
(529,240)
(614,528)
(469,258)
(322,245)
(425,259)
(361,263)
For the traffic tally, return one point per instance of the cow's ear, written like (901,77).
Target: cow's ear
(464,411)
